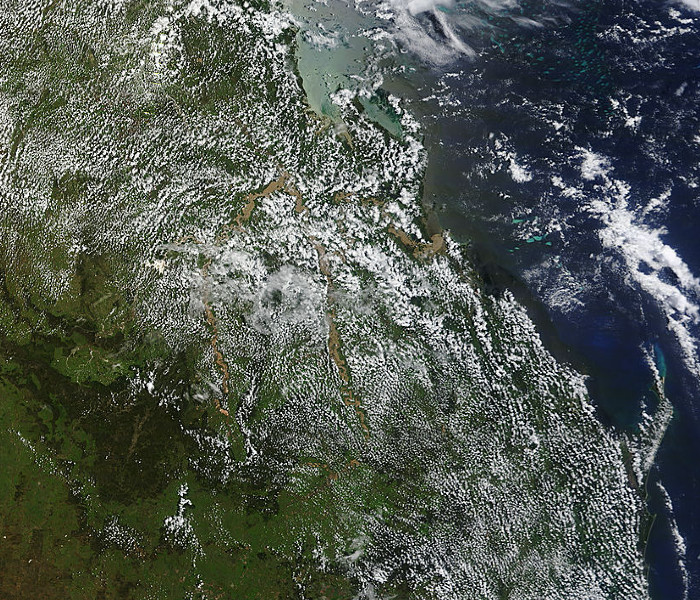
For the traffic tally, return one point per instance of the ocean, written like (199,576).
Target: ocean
(563,144)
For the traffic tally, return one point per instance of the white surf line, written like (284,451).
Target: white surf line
(678,541)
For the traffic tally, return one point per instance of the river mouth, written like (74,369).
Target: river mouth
(253,348)
(560,148)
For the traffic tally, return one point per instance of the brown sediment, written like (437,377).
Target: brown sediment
(217,353)
(345,134)
(404,238)
(339,197)
(277,185)
(188,238)
(218,356)
(371,200)
(249,206)
(437,244)
(322,127)
(351,464)
(420,249)
(246,211)
(299,206)
(317,465)
(272,187)
(324,123)
(331,475)
(211,321)
(334,344)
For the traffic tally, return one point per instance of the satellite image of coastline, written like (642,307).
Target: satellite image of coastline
(349,299)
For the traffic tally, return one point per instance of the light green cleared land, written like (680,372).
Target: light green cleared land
(233,364)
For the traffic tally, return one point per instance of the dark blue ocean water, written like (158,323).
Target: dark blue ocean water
(564,147)
(567,152)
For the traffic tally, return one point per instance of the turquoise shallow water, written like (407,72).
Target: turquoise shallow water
(561,147)
(234,364)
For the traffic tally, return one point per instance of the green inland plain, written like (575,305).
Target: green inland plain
(234,361)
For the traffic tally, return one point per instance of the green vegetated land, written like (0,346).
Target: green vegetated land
(234,365)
